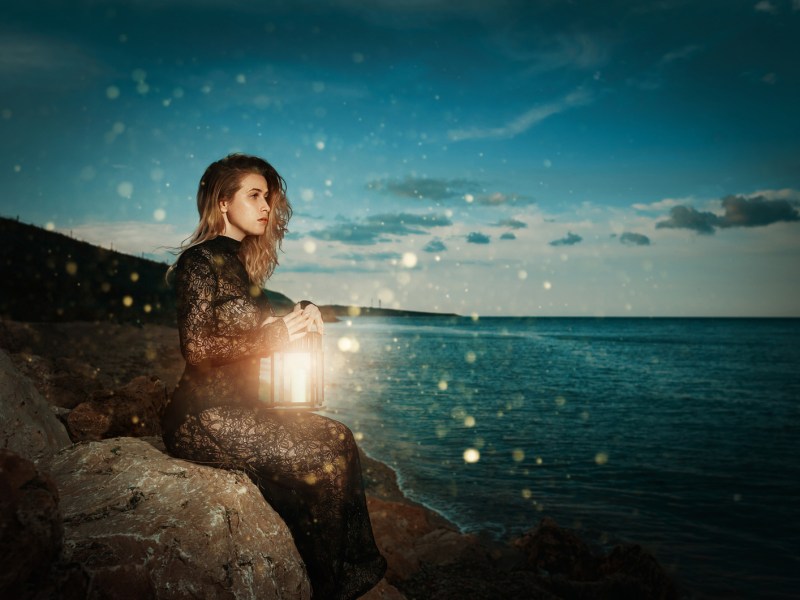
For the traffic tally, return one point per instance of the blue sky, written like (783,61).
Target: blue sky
(506,158)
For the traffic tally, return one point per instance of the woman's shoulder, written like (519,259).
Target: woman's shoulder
(202,252)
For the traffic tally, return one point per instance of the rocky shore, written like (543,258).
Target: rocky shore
(92,507)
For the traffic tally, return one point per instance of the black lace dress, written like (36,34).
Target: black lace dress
(305,465)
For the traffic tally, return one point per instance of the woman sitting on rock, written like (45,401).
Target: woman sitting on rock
(305,465)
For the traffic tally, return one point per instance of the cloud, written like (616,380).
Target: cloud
(756,211)
(634,239)
(663,204)
(512,224)
(508,236)
(686,217)
(434,246)
(377,228)
(499,199)
(766,6)
(739,211)
(679,54)
(425,188)
(523,122)
(570,240)
(478,238)
(369,256)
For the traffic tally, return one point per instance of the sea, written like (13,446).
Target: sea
(680,435)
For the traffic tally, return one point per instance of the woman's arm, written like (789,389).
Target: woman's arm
(201,341)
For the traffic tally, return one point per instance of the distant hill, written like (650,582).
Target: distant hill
(48,276)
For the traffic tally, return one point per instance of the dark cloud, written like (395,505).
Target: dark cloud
(478,238)
(570,240)
(512,224)
(378,228)
(634,239)
(424,188)
(434,246)
(757,211)
(686,217)
(500,199)
(508,236)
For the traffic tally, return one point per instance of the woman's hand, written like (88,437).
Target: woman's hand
(297,324)
(312,311)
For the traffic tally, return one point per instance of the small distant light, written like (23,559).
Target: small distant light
(469,421)
(471,455)
(240,78)
(469,198)
(518,455)
(470,357)
(127,301)
(409,260)
(442,385)
(522,274)
(159,214)
(560,401)
(601,458)
(357,57)
(147,308)
(71,267)
(135,419)
(49,226)
(474,316)
(17,168)
(353,311)
(539,460)
(547,285)
(348,344)
(112,92)
(311,479)
(134,277)
(441,431)
(358,435)
(310,246)
(125,189)
(320,145)
(527,494)
(307,194)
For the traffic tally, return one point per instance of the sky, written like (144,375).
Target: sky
(515,157)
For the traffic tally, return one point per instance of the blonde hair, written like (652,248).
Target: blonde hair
(221,181)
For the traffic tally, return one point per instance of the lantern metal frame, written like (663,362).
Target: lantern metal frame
(293,377)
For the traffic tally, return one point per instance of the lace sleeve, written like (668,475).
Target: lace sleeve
(206,338)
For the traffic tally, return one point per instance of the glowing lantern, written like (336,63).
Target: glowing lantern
(293,377)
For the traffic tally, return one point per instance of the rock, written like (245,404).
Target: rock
(145,525)
(383,591)
(27,425)
(29,520)
(132,410)
(558,551)
(64,382)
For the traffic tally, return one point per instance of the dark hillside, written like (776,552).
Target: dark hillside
(48,276)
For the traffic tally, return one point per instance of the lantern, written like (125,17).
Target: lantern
(293,377)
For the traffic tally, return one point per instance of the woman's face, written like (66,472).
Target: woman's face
(246,213)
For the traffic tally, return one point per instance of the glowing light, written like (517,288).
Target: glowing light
(159,214)
(309,246)
(148,308)
(127,301)
(320,145)
(539,460)
(442,385)
(522,275)
(469,198)
(311,479)
(17,168)
(358,435)
(49,226)
(353,311)
(71,267)
(240,78)
(348,344)
(470,357)
(547,285)
(409,260)
(471,455)
(518,455)
(469,421)
(441,431)
(135,419)
(134,277)
(601,458)
(112,92)
(306,194)
(560,401)
(125,189)
(527,494)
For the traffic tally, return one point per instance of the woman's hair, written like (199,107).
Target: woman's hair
(221,181)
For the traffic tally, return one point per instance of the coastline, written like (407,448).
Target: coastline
(428,556)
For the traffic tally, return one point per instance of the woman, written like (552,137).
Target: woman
(305,465)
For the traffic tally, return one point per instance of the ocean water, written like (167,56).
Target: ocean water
(677,434)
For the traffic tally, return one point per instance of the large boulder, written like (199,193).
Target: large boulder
(27,425)
(132,410)
(145,525)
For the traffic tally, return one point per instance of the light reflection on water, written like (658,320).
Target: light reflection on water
(677,434)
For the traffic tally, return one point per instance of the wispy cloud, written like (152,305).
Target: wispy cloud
(662,205)
(634,239)
(523,122)
(425,188)
(380,228)
(766,6)
(511,224)
(478,238)
(569,240)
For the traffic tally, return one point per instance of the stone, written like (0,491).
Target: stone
(132,410)
(30,523)
(146,525)
(27,425)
